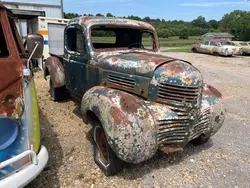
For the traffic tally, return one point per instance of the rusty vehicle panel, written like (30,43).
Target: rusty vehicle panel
(137,100)
(22,157)
(217,47)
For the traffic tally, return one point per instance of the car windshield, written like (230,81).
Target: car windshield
(105,37)
(225,44)
(243,44)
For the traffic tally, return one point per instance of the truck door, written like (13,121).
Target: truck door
(75,61)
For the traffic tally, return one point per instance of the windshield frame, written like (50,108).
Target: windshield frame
(153,32)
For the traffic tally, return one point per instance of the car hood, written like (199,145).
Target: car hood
(246,47)
(136,63)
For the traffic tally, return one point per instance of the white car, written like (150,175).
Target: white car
(244,45)
(217,47)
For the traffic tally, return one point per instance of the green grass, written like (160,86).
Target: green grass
(164,42)
(176,42)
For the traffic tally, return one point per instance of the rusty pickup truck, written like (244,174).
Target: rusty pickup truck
(137,100)
(22,157)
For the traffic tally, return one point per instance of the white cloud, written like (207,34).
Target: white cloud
(213,4)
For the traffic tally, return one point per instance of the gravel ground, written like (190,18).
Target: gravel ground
(223,162)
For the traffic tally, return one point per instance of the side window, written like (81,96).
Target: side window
(75,40)
(3,46)
(148,41)
(213,44)
(206,43)
(15,34)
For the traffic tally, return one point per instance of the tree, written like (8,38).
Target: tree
(109,15)
(184,33)
(200,22)
(98,14)
(70,15)
(146,19)
(237,23)
(214,24)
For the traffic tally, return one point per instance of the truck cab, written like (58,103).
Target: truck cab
(137,100)
(22,157)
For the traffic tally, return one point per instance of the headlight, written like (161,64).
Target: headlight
(8,132)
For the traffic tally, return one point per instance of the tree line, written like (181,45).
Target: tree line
(236,23)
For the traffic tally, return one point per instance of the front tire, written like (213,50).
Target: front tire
(104,156)
(200,140)
(58,94)
(194,50)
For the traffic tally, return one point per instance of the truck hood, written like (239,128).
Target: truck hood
(136,63)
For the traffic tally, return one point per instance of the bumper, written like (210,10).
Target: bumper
(29,172)
(230,53)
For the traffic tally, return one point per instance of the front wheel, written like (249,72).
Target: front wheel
(58,94)
(104,156)
(200,140)
(194,50)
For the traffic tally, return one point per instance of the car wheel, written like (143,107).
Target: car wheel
(216,54)
(194,50)
(58,94)
(200,140)
(104,156)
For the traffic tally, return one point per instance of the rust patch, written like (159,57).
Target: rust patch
(210,90)
(129,103)
(118,116)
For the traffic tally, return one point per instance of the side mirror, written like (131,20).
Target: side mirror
(35,46)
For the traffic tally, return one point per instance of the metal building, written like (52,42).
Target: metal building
(220,36)
(53,11)
(27,13)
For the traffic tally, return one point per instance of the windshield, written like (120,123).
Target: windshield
(104,37)
(243,44)
(225,44)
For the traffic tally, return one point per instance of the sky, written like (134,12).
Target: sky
(186,10)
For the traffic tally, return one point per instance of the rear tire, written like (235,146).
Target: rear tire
(200,140)
(194,50)
(216,54)
(104,156)
(58,94)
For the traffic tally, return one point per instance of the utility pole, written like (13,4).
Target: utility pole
(62,8)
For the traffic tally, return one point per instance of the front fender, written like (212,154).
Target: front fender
(212,99)
(55,68)
(129,126)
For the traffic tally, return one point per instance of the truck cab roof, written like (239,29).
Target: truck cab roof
(89,21)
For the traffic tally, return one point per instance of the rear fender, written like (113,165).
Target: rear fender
(54,68)
(129,126)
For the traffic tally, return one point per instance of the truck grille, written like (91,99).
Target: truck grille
(167,93)
(173,130)
(121,81)
(202,126)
